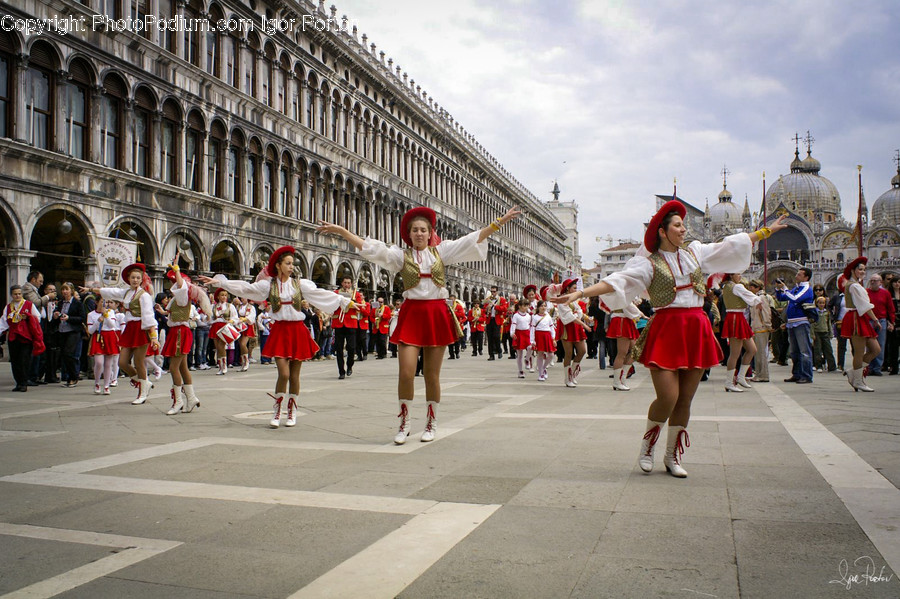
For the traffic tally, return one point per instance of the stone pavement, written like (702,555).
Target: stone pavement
(530,490)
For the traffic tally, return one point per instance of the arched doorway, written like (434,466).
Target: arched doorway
(789,244)
(190,255)
(301,268)
(260,259)
(225,260)
(398,286)
(321,273)
(62,244)
(366,282)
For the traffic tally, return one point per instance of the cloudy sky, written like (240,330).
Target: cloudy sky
(615,98)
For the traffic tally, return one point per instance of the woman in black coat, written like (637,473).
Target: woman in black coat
(69,318)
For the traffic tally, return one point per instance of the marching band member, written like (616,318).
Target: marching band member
(737,330)
(520,333)
(290,341)
(345,324)
(222,327)
(20,324)
(180,338)
(543,332)
(495,307)
(476,329)
(622,329)
(860,324)
(425,323)
(459,313)
(380,327)
(530,293)
(678,343)
(140,325)
(103,328)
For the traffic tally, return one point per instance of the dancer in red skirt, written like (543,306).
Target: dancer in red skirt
(530,293)
(571,331)
(678,342)
(543,332)
(247,326)
(520,332)
(222,327)
(737,330)
(103,327)
(140,325)
(622,329)
(425,322)
(860,324)
(180,338)
(289,342)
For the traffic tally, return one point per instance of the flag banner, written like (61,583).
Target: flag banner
(112,256)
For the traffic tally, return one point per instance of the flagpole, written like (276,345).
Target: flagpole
(765,241)
(859,212)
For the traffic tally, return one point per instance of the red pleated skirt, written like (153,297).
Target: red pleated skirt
(855,325)
(425,323)
(247,330)
(133,335)
(543,341)
(290,339)
(179,341)
(736,326)
(680,338)
(522,340)
(104,343)
(621,326)
(571,333)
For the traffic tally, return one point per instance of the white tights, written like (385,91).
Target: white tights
(103,365)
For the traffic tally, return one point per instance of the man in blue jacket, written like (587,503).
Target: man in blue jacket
(798,325)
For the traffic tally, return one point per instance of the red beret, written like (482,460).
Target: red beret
(651,235)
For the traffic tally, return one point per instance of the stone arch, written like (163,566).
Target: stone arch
(134,229)
(62,249)
(226,258)
(185,239)
(321,272)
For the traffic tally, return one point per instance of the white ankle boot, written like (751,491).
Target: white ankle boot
(276,413)
(619,380)
(742,377)
(291,411)
(678,439)
(403,432)
(245,363)
(576,370)
(859,381)
(430,422)
(568,374)
(223,365)
(144,387)
(648,445)
(730,385)
(191,400)
(177,401)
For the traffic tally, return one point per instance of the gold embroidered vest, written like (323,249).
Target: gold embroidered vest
(848,299)
(179,313)
(410,274)
(662,289)
(134,306)
(275,296)
(732,302)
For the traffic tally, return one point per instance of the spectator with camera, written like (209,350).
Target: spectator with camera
(798,325)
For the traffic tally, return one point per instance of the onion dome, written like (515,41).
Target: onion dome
(887,206)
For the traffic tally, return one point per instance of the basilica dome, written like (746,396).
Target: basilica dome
(887,206)
(805,191)
(725,213)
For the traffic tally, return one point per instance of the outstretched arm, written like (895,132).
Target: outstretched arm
(600,288)
(495,226)
(767,232)
(330,229)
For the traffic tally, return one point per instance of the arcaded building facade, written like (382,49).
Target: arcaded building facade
(229,141)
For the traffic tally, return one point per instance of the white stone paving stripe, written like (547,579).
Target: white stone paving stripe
(871,499)
(64,408)
(641,417)
(385,568)
(135,549)
(141,486)
(16,435)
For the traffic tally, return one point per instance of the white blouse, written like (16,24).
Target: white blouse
(180,297)
(464,249)
(860,298)
(324,300)
(117,294)
(630,311)
(519,322)
(732,254)
(567,315)
(542,323)
(745,294)
(109,322)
